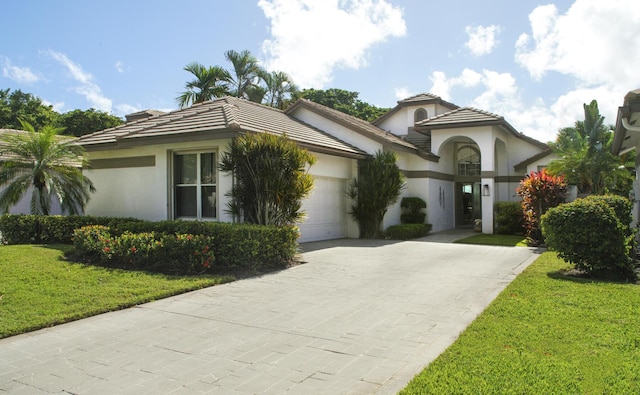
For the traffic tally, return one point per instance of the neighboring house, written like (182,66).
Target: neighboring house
(626,138)
(460,160)
(24,205)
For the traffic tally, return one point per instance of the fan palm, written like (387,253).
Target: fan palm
(209,83)
(47,162)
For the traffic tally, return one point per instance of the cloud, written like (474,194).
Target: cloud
(403,92)
(119,66)
(595,41)
(482,39)
(22,75)
(89,89)
(310,39)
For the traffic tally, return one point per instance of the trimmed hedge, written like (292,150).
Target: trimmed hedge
(411,207)
(407,231)
(588,233)
(509,218)
(235,246)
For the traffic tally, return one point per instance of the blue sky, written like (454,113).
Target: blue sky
(534,62)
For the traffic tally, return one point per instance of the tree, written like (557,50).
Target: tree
(585,157)
(209,83)
(379,185)
(271,179)
(343,101)
(17,105)
(539,192)
(78,122)
(279,88)
(47,162)
(245,72)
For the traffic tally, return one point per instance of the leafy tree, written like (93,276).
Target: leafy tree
(17,105)
(344,101)
(379,185)
(209,83)
(586,159)
(539,192)
(245,72)
(78,122)
(47,162)
(270,178)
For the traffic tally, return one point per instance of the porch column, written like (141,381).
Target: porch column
(488,193)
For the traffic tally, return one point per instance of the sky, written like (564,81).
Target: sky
(533,62)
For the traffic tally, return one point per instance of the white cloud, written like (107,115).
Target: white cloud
(595,41)
(22,75)
(119,66)
(482,39)
(125,109)
(442,85)
(89,89)
(312,38)
(402,93)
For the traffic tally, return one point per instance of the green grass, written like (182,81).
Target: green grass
(39,289)
(495,240)
(545,334)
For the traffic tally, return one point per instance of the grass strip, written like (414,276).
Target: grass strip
(546,333)
(38,288)
(495,240)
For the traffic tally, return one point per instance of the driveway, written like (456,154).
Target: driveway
(358,317)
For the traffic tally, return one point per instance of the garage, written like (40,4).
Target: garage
(326,211)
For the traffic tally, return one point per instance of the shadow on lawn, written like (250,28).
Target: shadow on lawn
(577,276)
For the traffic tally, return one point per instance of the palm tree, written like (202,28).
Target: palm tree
(280,87)
(245,70)
(47,162)
(209,83)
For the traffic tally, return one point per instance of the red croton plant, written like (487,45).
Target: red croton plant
(539,192)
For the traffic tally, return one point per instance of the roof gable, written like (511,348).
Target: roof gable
(470,117)
(221,118)
(358,125)
(420,99)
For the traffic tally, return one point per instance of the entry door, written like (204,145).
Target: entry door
(468,202)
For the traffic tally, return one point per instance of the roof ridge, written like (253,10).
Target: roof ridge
(230,113)
(483,112)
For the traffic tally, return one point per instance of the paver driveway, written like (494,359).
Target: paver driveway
(357,317)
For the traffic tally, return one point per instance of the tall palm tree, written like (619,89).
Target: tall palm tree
(47,162)
(209,83)
(280,88)
(245,70)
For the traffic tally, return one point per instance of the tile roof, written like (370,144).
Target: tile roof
(361,126)
(7,155)
(533,158)
(218,118)
(422,98)
(469,116)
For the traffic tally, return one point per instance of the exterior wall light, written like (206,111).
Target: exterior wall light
(485,190)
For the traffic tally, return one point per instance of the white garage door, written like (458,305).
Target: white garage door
(326,210)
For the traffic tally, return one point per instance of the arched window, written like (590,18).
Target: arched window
(419,115)
(468,161)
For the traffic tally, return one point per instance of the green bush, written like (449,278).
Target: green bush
(588,234)
(407,231)
(235,246)
(164,253)
(509,219)
(411,207)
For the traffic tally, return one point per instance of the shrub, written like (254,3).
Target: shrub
(407,231)
(539,191)
(588,234)
(509,220)
(411,207)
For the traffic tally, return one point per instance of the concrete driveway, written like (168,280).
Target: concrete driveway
(358,317)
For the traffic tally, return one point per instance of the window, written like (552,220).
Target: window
(419,115)
(468,161)
(195,185)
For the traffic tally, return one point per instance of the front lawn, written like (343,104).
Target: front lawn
(494,240)
(545,334)
(39,289)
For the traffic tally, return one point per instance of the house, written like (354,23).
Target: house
(626,138)
(460,160)
(24,205)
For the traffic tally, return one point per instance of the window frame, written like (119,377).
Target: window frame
(198,184)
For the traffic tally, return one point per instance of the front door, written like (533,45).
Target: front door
(468,203)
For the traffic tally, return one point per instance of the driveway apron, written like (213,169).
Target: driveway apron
(357,317)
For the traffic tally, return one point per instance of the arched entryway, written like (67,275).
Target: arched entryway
(467,179)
